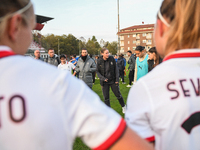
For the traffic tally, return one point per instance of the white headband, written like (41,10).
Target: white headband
(162,19)
(21,10)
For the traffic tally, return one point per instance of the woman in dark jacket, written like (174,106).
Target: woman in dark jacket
(154,59)
(108,74)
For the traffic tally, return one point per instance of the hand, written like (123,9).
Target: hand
(116,82)
(106,80)
(127,70)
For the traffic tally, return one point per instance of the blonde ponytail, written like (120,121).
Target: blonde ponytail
(184,30)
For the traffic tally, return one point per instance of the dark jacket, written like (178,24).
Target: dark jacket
(101,69)
(120,64)
(86,69)
(53,60)
(151,64)
(131,63)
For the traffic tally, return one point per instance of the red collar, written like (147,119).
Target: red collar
(182,54)
(6,53)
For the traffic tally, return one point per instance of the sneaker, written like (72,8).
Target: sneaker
(124,109)
(123,82)
(128,85)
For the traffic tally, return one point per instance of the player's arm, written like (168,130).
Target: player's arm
(139,112)
(131,141)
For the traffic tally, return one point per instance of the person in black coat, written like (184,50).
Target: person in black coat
(154,59)
(108,74)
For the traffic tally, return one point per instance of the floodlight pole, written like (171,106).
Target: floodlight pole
(118,28)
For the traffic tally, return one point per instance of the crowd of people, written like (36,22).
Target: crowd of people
(50,110)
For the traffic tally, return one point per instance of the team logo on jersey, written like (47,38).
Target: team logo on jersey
(111,63)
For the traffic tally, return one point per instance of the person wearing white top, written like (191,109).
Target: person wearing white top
(44,108)
(164,106)
(65,65)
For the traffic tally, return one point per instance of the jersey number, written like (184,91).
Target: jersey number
(191,122)
(10,107)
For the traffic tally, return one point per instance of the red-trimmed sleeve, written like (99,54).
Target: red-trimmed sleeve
(114,137)
(150,139)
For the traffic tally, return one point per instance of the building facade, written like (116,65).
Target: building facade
(133,36)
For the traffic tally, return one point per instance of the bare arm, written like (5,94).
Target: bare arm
(131,141)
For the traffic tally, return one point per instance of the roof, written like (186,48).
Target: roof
(42,19)
(136,31)
(139,26)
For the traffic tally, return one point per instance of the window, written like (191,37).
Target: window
(128,48)
(134,42)
(134,48)
(128,42)
(144,34)
(128,36)
(144,41)
(149,41)
(134,35)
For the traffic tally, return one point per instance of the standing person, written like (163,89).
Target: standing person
(40,107)
(164,105)
(37,55)
(85,67)
(52,58)
(116,58)
(141,66)
(65,65)
(124,65)
(154,59)
(120,65)
(108,74)
(131,67)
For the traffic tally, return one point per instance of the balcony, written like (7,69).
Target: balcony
(121,38)
(137,37)
(121,44)
(149,43)
(137,44)
(148,37)
(121,51)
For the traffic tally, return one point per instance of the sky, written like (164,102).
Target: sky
(85,18)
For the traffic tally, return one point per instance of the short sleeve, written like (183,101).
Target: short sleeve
(138,111)
(98,125)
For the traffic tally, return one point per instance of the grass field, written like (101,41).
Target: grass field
(78,144)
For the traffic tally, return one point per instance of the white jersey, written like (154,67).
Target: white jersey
(165,104)
(67,66)
(43,108)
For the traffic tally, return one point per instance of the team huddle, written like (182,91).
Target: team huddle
(50,110)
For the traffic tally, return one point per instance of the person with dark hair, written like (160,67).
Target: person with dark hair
(85,67)
(52,58)
(154,58)
(141,65)
(44,108)
(131,67)
(120,65)
(65,65)
(108,74)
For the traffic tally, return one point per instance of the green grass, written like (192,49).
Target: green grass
(78,144)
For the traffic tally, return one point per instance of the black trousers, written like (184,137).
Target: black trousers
(115,89)
(93,77)
(121,74)
(131,76)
